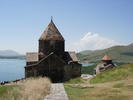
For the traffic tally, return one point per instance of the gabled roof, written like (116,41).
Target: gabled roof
(31,56)
(43,59)
(71,56)
(51,33)
(106,58)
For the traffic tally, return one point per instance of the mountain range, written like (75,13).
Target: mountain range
(10,54)
(122,54)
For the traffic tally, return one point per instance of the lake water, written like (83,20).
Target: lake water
(11,69)
(87,64)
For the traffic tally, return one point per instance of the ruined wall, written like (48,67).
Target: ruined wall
(101,67)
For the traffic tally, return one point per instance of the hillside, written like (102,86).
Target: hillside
(119,73)
(122,54)
(114,84)
(86,52)
(10,54)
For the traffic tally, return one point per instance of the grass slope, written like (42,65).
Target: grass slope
(6,88)
(118,73)
(115,84)
(117,53)
(121,90)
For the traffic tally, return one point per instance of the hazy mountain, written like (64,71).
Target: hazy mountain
(122,54)
(10,54)
(85,52)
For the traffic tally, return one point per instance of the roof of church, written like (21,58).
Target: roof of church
(31,56)
(43,59)
(106,58)
(51,33)
(70,56)
(73,56)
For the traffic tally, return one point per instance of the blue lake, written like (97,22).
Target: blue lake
(87,64)
(11,69)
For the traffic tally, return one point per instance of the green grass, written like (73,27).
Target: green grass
(6,88)
(75,81)
(119,73)
(122,54)
(114,84)
(96,93)
(76,93)
(118,85)
(128,87)
(90,69)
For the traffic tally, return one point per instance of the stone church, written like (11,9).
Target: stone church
(104,65)
(52,60)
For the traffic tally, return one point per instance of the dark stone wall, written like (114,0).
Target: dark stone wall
(72,70)
(29,71)
(29,63)
(76,70)
(48,46)
(52,67)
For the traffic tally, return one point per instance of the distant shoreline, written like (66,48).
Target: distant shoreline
(13,57)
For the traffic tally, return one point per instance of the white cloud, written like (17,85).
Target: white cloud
(93,41)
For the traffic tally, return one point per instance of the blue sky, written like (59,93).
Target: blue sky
(81,22)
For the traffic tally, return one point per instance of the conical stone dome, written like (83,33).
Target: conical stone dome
(106,58)
(51,33)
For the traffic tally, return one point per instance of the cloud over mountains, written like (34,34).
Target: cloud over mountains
(93,41)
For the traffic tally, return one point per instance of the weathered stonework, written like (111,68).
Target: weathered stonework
(104,65)
(52,60)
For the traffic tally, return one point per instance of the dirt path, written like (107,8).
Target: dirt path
(57,92)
